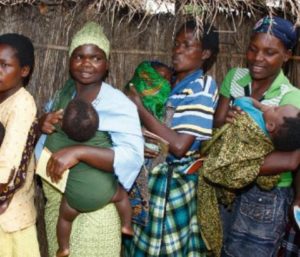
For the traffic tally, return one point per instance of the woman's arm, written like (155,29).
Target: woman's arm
(179,143)
(20,116)
(277,162)
(222,110)
(48,120)
(66,158)
(125,158)
(260,106)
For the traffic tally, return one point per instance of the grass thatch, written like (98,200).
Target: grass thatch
(200,9)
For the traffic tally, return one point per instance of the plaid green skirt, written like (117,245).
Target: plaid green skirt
(172,229)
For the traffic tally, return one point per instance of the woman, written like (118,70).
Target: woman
(18,235)
(95,233)
(172,229)
(257,221)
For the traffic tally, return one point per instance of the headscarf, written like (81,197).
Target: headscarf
(278,27)
(152,87)
(91,33)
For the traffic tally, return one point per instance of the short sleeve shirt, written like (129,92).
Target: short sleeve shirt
(281,92)
(194,102)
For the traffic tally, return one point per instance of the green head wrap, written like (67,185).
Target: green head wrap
(152,87)
(91,33)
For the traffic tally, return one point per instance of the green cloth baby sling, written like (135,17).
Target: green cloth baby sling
(87,188)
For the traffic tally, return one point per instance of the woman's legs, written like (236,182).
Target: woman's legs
(64,226)
(120,199)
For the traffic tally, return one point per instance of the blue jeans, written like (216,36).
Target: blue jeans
(256,224)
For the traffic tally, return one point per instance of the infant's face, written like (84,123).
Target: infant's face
(276,114)
(165,73)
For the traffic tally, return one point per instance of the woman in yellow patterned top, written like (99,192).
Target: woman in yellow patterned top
(17,113)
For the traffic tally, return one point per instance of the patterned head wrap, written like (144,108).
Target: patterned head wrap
(278,27)
(91,33)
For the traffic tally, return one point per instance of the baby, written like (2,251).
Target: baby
(281,123)
(87,188)
(152,80)
(235,157)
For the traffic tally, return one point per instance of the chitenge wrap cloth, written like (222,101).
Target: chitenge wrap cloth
(19,175)
(172,228)
(94,233)
(235,156)
(152,87)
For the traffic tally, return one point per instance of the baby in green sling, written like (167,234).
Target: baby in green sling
(87,188)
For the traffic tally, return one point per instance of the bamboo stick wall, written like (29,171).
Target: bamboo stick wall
(51,33)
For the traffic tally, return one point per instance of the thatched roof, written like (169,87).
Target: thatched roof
(200,9)
(135,33)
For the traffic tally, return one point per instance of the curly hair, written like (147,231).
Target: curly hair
(24,50)
(80,120)
(287,137)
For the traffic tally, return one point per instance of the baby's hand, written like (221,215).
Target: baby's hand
(48,120)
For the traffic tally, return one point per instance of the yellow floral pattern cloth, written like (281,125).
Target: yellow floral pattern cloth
(233,162)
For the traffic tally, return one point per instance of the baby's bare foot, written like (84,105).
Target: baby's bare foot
(62,253)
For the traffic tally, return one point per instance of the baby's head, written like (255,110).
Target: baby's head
(164,70)
(283,123)
(80,120)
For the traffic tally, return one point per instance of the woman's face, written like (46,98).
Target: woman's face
(88,64)
(265,56)
(11,73)
(187,53)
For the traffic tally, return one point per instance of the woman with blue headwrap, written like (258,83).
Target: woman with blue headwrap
(256,223)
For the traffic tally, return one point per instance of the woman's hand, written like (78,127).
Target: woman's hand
(150,153)
(60,161)
(151,146)
(134,96)
(48,120)
(232,113)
